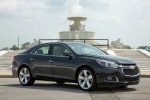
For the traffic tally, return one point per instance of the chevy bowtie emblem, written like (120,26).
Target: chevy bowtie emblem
(132,67)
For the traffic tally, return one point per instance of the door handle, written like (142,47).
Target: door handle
(31,59)
(51,61)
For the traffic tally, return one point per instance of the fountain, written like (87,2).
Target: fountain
(77,30)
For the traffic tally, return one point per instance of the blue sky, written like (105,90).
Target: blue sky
(112,19)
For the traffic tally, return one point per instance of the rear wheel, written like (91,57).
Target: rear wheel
(86,79)
(25,76)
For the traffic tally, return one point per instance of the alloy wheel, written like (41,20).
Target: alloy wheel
(85,79)
(24,75)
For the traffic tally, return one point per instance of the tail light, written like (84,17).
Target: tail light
(14,57)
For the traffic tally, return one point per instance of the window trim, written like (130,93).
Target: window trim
(40,47)
(50,45)
(65,47)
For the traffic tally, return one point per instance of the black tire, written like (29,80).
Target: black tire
(25,76)
(89,79)
(60,82)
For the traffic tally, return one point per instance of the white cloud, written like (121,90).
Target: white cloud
(14,5)
(32,5)
(8,5)
(23,9)
(103,16)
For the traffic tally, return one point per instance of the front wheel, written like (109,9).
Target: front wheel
(86,79)
(25,76)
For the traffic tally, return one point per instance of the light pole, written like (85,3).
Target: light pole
(18,41)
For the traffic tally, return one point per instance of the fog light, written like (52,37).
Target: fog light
(109,78)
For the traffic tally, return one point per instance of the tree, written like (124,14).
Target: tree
(14,47)
(6,48)
(143,47)
(25,45)
(128,47)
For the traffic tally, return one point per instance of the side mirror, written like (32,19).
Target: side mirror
(68,54)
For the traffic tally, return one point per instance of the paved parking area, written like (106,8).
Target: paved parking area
(133,92)
(10,89)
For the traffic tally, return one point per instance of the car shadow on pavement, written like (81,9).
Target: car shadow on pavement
(70,87)
(110,90)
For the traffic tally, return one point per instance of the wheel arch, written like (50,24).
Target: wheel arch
(23,65)
(81,67)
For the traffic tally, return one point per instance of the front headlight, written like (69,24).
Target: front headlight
(106,63)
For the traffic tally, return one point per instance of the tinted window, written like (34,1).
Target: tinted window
(85,49)
(42,50)
(59,50)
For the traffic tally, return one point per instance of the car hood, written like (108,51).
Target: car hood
(117,59)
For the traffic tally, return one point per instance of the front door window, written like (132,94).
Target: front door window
(60,50)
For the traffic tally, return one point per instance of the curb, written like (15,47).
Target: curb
(145,76)
(6,74)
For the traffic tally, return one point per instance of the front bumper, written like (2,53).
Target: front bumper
(118,76)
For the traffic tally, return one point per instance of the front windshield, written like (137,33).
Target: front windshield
(85,49)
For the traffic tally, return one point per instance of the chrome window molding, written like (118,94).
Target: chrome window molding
(49,54)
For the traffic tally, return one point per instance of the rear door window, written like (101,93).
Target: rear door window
(43,50)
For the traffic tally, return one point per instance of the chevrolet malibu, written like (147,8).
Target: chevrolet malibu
(74,62)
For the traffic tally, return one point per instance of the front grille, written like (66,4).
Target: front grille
(134,71)
(131,79)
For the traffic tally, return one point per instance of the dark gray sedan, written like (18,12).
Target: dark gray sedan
(74,62)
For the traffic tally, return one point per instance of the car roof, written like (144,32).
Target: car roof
(60,43)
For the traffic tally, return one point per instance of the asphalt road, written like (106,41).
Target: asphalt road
(10,89)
